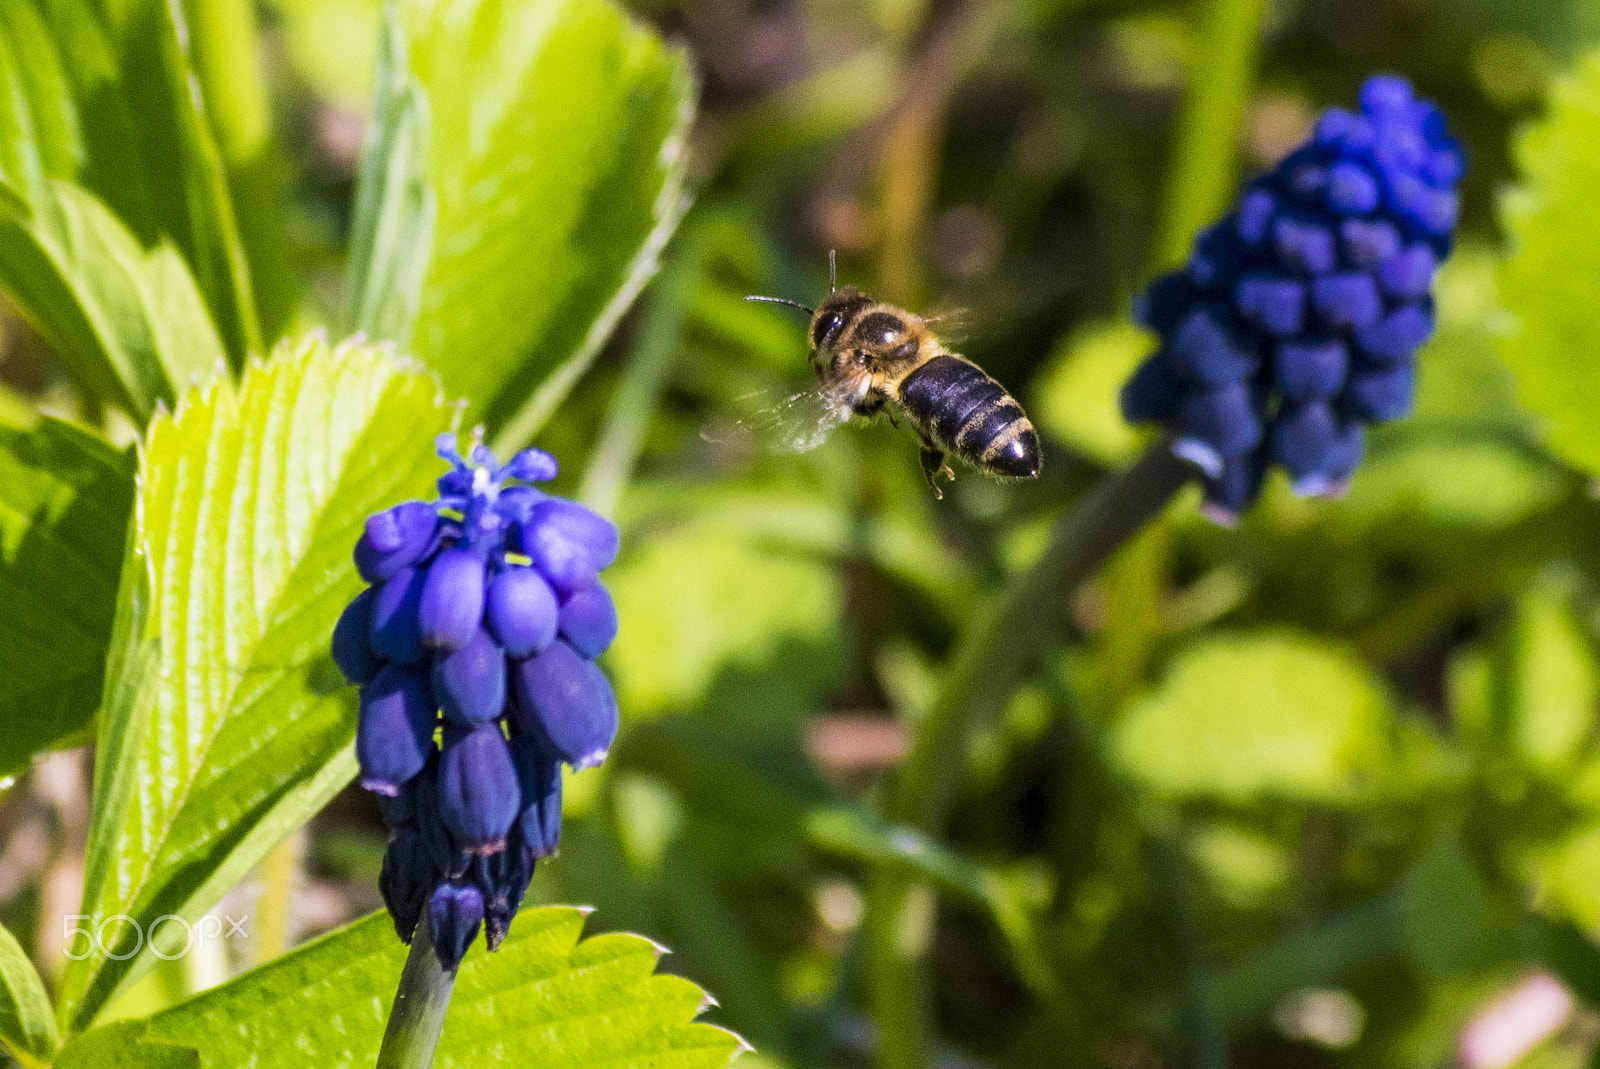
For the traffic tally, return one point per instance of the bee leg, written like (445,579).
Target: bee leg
(933,466)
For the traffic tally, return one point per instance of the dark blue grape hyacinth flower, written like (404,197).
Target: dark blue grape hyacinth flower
(1297,318)
(474,650)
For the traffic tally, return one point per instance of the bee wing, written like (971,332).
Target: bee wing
(797,424)
(952,324)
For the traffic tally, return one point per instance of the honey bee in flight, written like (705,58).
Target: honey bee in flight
(870,357)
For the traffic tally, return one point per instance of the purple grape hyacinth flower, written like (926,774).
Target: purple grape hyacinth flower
(1297,319)
(474,649)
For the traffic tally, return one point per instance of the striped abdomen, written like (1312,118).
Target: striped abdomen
(967,413)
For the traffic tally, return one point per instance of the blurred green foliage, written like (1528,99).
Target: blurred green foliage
(1316,791)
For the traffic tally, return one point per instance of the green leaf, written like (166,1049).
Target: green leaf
(1563,872)
(1450,922)
(1078,398)
(1551,280)
(225,723)
(701,606)
(98,91)
(1550,685)
(65,500)
(39,134)
(1429,491)
(1571,955)
(122,1046)
(129,321)
(1257,716)
(392,232)
(751,788)
(26,1027)
(1324,954)
(147,151)
(543,998)
(555,134)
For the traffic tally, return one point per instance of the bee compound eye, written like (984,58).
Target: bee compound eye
(827,326)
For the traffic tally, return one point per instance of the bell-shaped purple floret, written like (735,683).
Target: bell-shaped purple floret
(400,808)
(1232,489)
(1367,243)
(539,776)
(1303,245)
(470,682)
(568,543)
(569,701)
(1347,301)
(1166,302)
(395,538)
(1225,419)
(1380,394)
(521,611)
(1343,129)
(1304,437)
(1217,256)
(452,599)
(1396,336)
(1203,350)
(1254,218)
(478,793)
(1275,305)
(406,880)
(589,621)
(1351,189)
(1408,274)
(395,635)
(1386,96)
(1311,368)
(502,879)
(455,913)
(351,651)
(1153,392)
(443,850)
(394,732)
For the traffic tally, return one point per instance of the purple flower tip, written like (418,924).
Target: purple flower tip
(1298,317)
(455,913)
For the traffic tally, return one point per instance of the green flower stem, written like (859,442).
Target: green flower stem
(986,665)
(994,651)
(1204,1032)
(993,654)
(420,1001)
(896,928)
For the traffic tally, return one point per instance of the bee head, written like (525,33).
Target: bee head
(834,314)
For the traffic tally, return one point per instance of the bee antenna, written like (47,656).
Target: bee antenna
(833,271)
(781,300)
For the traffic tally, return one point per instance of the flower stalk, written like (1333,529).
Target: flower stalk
(420,1001)
(995,650)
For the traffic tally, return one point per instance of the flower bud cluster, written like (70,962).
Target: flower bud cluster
(1298,316)
(474,649)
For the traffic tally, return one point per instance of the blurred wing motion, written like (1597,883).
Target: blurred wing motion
(796,424)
